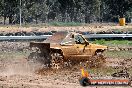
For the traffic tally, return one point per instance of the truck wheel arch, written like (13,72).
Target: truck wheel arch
(56,51)
(99,50)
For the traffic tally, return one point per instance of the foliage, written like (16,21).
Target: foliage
(78,11)
(118,8)
(114,42)
(102,41)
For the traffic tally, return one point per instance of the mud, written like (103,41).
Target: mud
(19,75)
(17,72)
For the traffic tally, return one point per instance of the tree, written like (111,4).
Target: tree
(119,7)
(65,10)
(92,10)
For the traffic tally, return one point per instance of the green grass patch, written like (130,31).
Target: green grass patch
(116,43)
(65,24)
(113,42)
(102,42)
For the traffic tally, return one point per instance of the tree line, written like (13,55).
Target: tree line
(82,11)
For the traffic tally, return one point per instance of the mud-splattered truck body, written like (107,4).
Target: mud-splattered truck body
(65,46)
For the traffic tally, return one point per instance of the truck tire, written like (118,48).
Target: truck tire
(57,60)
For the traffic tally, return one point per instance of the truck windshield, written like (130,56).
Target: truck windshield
(69,40)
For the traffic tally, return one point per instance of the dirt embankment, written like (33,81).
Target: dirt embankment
(89,27)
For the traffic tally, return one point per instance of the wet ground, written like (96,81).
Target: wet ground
(17,72)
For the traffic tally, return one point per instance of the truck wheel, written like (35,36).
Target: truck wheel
(84,81)
(56,61)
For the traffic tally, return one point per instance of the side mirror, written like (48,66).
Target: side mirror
(72,36)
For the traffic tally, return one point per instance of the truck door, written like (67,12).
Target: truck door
(70,50)
(68,46)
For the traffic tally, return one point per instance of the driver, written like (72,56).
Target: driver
(78,40)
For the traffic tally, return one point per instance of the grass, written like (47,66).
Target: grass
(113,54)
(65,24)
(55,23)
(113,42)
(116,43)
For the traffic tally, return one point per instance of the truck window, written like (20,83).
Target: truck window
(79,39)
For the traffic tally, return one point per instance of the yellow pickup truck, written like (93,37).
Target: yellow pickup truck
(67,47)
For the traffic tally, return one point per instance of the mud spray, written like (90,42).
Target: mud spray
(13,61)
(19,66)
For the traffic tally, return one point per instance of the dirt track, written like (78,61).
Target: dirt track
(20,75)
(16,72)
